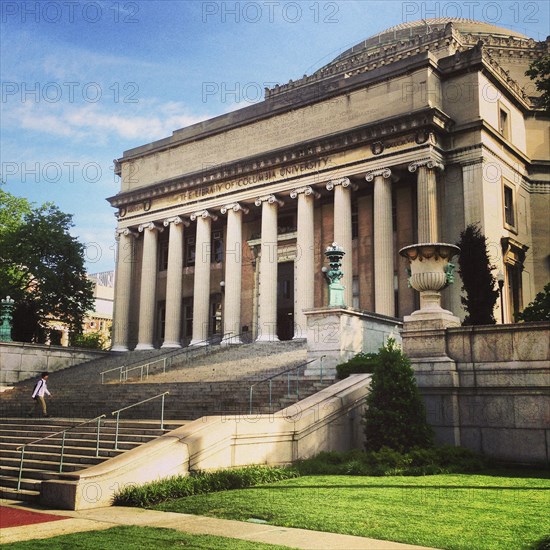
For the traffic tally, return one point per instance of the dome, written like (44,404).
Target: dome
(406,31)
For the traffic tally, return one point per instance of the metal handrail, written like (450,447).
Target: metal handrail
(270,380)
(124,369)
(117,412)
(63,432)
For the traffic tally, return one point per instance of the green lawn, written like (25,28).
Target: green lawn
(140,538)
(457,511)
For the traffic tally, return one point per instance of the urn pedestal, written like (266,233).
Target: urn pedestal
(431,271)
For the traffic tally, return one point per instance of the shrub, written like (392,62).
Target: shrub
(360,364)
(395,415)
(199,482)
(477,280)
(90,340)
(386,461)
(539,308)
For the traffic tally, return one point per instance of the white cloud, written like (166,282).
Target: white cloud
(95,121)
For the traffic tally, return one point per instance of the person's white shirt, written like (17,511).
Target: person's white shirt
(40,389)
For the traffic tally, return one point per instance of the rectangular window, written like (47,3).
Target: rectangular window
(188,318)
(355,292)
(190,250)
(354,220)
(509,210)
(286,224)
(215,314)
(504,122)
(217,247)
(163,255)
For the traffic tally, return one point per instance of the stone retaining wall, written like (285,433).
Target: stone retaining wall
(21,361)
(490,388)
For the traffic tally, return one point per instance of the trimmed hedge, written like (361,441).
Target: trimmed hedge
(387,462)
(199,482)
(362,363)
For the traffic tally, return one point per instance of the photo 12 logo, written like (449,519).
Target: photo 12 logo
(69,92)
(270,12)
(489,12)
(69,12)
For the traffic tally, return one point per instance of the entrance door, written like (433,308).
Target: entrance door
(285,301)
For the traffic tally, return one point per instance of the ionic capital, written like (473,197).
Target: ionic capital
(235,206)
(384,172)
(307,190)
(344,182)
(271,199)
(204,214)
(427,162)
(152,226)
(176,220)
(127,232)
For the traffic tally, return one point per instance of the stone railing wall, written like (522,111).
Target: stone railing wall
(20,361)
(487,387)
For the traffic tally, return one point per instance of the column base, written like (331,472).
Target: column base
(170,345)
(231,341)
(197,343)
(429,318)
(268,338)
(143,347)
(119,347)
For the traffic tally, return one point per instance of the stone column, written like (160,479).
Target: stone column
(267,322)
(428,227)
(174,281)
(384,296)
(233,273)
(123,288)
(305,259)
(201,292)
(147,295)
(342,231)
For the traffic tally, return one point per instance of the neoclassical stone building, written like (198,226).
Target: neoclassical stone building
(407,137)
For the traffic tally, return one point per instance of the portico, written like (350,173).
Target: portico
(222,225)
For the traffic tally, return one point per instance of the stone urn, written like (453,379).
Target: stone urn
(430,272)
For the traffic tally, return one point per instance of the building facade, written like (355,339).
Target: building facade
(407,137)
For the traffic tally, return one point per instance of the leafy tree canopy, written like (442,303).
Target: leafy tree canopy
(41,267)
(539,308)
(539,72)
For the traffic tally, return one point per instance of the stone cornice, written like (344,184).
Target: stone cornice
(390,132)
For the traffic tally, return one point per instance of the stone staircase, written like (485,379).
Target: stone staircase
(42,459)
(213,380)
(212,384)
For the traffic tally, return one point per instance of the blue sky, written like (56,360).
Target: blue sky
(84,81)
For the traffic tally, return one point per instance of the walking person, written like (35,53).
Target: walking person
(40,389)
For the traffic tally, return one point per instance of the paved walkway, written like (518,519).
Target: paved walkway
(104,518)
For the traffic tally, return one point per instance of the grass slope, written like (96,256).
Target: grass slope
(140,538)
(456,511)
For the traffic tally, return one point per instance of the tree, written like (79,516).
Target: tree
(395,416)
(41,267)
(539,308)
(539,72)
(478,281)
